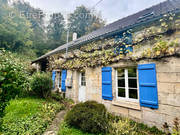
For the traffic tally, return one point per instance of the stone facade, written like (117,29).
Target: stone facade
(168,84)
(168,78)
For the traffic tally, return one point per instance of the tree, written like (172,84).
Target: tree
(56,26)
(34,15)
(36,18)
(15,32)
(96,23)
(83,21)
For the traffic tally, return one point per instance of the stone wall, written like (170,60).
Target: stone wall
(72,92)
(168,78)
(168,82)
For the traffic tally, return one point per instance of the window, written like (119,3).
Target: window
(83,79)
(127,83)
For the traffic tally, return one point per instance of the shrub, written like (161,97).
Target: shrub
(89,117)
(28,116)
(13,78)
(125,126)
(41,84)
(57,96)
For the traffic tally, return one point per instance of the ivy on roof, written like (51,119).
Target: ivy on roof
(112,50)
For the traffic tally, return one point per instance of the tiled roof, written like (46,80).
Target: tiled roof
(124,23)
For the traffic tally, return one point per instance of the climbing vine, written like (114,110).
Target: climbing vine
(111,50)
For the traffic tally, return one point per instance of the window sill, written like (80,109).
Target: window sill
(127,104)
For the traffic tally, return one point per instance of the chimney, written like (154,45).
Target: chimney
(74,36)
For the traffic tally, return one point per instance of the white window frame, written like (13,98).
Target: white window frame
(81,79)
(126,98)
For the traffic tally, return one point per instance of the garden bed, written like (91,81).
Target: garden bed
(29,116)
(92,118)
(128,128)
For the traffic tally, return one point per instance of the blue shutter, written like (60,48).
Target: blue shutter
(53,78)
(107,83)
(148,85)
(63,80)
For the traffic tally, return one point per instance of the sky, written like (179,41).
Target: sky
(111,10)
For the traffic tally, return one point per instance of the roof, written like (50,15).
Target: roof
(143,16)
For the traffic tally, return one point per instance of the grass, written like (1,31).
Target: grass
(29,116)
(64,129)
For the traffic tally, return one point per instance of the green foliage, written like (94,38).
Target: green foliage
(41,84)
(15,31)
(57,97)
(119,126)
(83,21)
(29,116)
(125,126)
(89,117)
(13,78)
(64,129)
(36,18)
(56,26)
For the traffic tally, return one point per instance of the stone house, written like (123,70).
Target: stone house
(132,66)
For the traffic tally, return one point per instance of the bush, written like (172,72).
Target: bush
(125,126)
(13,78)
(89,117)
(57,96)
(41,84)
(29,116)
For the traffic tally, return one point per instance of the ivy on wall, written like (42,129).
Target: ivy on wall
(111,50)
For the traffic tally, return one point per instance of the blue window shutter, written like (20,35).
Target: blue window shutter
(148,85)
(63,80)
(53,78)
(107,83)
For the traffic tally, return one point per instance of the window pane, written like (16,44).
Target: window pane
(120,72)
(133,93)
(132,83)
(121,92)
(83,74)
(82,84)
(132,72)
(83,79)
(121,82)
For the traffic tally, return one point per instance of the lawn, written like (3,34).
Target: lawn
(27,116)
(64,129)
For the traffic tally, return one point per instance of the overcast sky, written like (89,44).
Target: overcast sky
(111,10)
